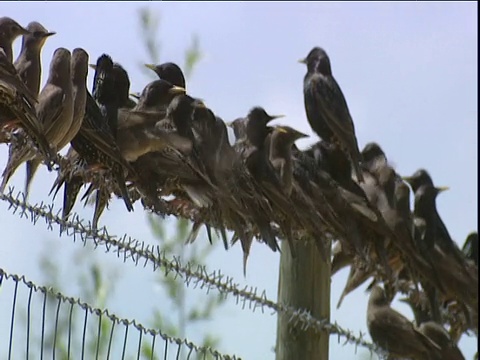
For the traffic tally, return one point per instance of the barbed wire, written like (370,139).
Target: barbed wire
(193,275)
(89,309)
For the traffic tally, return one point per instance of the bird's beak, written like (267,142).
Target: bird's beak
(405,300)
(150,66)
(302,61)
(442,188)
(135,95)
(273,117)
(93,66)
(408,179)
(300,135)
(177,90)
(48,34)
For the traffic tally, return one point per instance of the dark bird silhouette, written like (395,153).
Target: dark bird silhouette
(394,333)
(470,247)
(442,236)
(9,31)
(262,170)
(157,95)
(170,72)
(110,90)
(17,107)
(425,214)
(54,111)
(326,107)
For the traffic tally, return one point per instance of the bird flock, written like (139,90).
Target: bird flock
(171,152)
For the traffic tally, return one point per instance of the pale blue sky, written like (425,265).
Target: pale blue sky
(409,74)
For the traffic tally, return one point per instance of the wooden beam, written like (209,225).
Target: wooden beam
(303,283)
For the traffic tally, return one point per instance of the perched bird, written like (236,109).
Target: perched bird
(326,108)
(170,72)
(54,111)
(440,336)
(434,231)
(95,141)
(79,71)
(239,127)
(28,62)
(137,134)
(157,95)
(262,170)
(29,67)
(9,31)
(282,140)
(425,215)
(394,333)
(17,106)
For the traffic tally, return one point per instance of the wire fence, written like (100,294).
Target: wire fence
(196,276)
(55,325)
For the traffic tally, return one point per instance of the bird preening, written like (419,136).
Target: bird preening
(165,148)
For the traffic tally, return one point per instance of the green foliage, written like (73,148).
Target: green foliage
(149,28)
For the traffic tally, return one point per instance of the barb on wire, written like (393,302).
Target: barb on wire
(105,313)
(193,275)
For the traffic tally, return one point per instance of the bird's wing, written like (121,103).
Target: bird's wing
(128,118)
(50,105)
(334,105)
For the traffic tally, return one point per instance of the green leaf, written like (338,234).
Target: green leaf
(193,55)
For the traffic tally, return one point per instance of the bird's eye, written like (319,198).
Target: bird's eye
(37,34)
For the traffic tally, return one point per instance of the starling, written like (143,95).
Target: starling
(419,305)
(157,95)
(239,127)
(394,333)
(94,142)
(440,336)
(332,160)
(79,71)
(373,157)
(326,107)
(137,134)
(28,63)
(17,102)
(262,170)
(170,72)
(282,139)
(425,213)
(470,247)
(225,154)
(417,181)
(9,31)
(54,111)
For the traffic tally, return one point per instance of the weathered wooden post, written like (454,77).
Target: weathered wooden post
(304,283)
